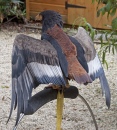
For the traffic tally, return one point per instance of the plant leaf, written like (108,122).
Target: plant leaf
(114,23)
(113,12)
(108,7)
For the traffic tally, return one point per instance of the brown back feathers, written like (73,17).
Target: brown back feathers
(75,70)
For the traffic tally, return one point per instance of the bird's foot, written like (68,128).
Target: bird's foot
(53,86)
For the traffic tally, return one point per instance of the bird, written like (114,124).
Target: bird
(55,59)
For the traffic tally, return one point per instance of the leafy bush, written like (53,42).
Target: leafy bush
(110,8)
(108,45)
(12,8)
(110,42)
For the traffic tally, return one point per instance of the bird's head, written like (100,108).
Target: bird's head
(49,18)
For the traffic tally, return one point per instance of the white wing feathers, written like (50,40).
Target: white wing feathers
(94,64)
(34,62)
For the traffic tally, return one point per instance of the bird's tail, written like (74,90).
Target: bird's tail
(77,72)
(105,89)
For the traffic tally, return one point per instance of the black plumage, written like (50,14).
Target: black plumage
(49,19)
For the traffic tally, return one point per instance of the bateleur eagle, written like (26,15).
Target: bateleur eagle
(56,59)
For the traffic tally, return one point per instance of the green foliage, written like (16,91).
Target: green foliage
(100,1)
(4,4)
(110,44)
(11,8)
(110,8)
(114,23)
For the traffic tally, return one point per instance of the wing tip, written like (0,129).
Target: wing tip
(83,79)
(105,89)
(108,103)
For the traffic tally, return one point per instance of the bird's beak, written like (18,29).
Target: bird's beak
(38,18)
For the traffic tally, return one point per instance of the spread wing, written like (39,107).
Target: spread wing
(34,62)
(94,64)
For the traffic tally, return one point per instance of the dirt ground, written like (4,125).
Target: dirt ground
(76,115)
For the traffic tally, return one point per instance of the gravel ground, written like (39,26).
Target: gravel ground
(76,115)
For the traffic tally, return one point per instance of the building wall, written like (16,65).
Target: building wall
(70,15)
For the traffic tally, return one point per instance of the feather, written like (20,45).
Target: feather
(75,69)
(62,59)
(49,19)
(80,53)
(95,68)
(105,88)
(85,40)
(94,64)
(96,71)
(34,62)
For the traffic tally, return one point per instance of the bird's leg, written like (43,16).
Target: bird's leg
(60,102)
(67,84)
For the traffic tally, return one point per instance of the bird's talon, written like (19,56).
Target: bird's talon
(52,86)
